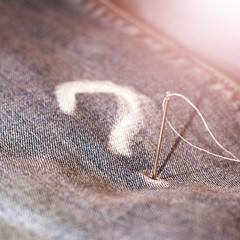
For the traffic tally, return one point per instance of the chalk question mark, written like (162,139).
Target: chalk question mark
(130,115)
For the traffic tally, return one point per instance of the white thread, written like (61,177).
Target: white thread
(201,149)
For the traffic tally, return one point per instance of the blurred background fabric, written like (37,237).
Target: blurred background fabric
(209,29)
(81,92)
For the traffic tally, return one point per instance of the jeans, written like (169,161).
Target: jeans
(80,112)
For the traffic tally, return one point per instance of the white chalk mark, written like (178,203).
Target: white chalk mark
(130,116)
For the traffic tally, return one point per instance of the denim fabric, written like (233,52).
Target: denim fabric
(73,166)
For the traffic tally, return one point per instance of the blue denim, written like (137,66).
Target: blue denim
(62,176)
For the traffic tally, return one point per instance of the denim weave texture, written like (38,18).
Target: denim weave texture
(75,175)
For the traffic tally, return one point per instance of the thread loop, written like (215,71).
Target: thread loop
(235,159)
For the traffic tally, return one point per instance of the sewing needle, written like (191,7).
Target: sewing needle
(154,176)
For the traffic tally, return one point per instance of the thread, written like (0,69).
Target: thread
(235,159)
